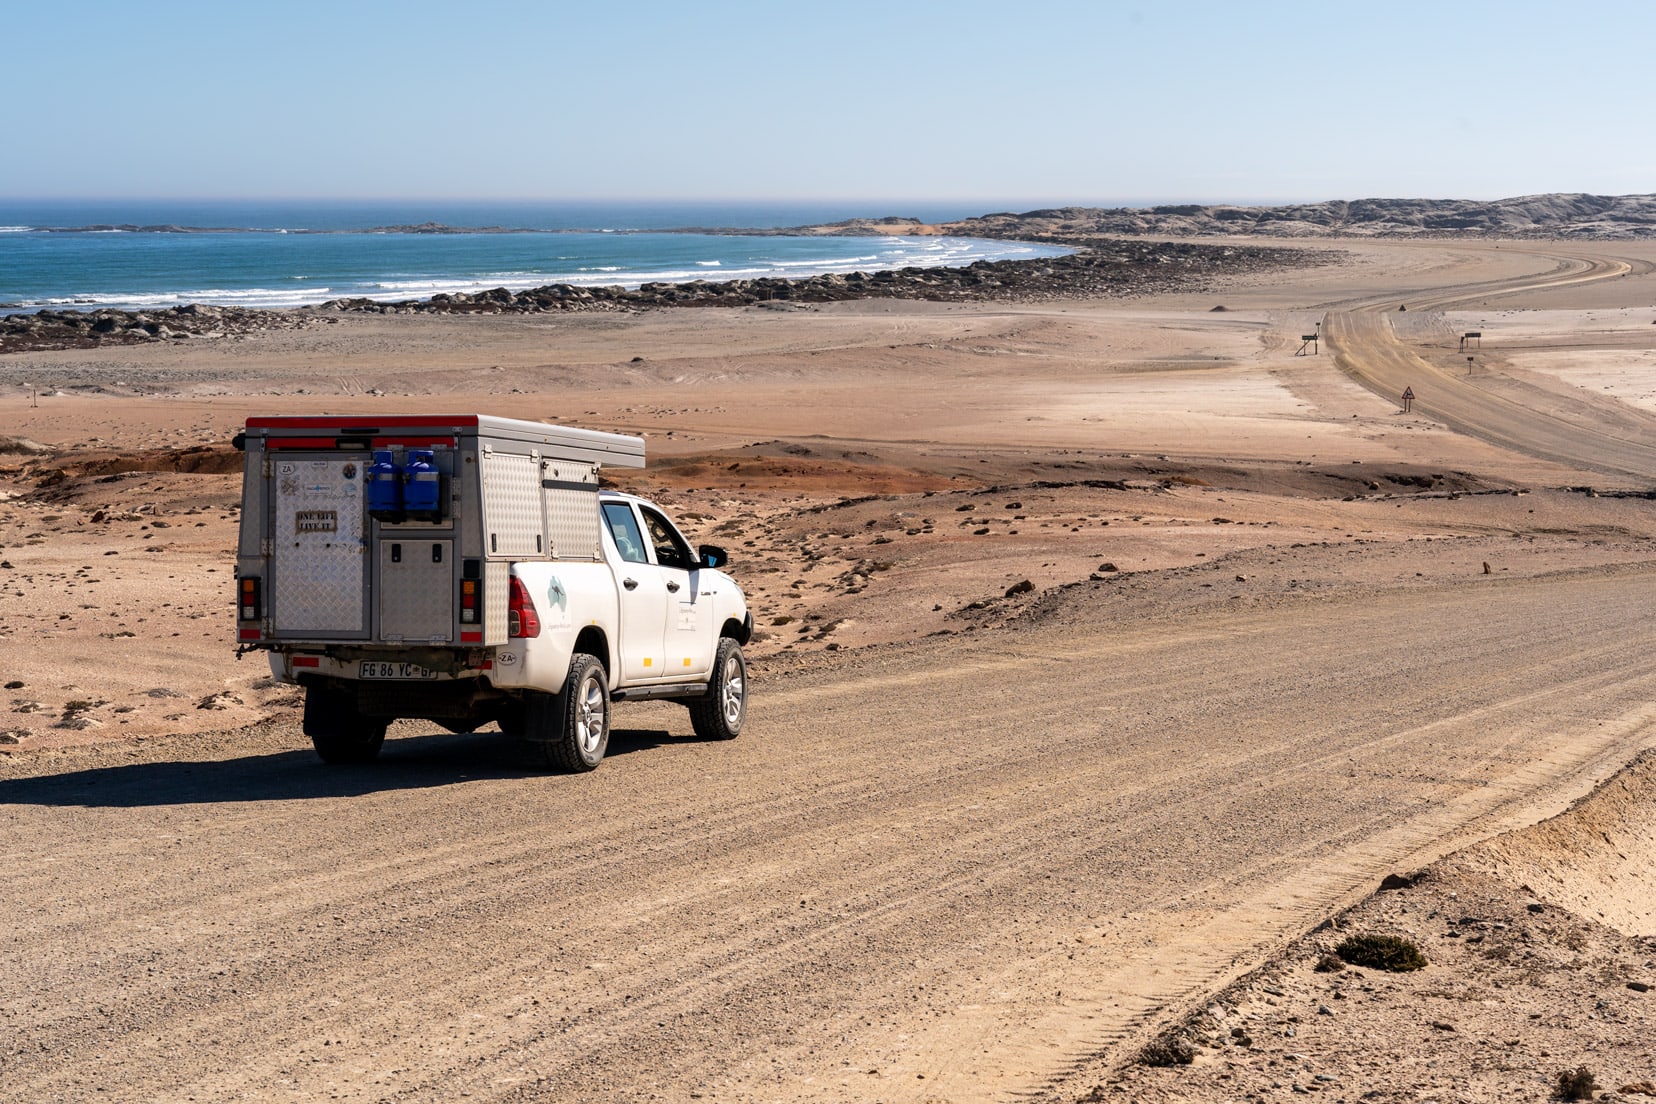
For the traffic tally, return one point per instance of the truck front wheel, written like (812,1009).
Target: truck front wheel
(719,715)
(573,727)
(339,733)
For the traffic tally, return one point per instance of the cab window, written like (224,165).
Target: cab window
(624,528)
(670,549)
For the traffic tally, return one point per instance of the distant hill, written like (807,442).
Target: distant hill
(1568,215)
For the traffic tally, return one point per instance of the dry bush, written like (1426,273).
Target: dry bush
(1381,952)
(1576,1084)
(1169,1050)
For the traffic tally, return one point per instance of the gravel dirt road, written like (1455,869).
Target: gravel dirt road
(947,871)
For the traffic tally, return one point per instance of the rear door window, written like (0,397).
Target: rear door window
(623,526)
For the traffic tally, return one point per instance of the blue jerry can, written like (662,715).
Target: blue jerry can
(423,484)
(385,484)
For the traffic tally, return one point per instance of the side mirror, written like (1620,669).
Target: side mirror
(712,555)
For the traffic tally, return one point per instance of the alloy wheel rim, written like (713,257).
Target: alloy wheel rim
(734,691)
(590,722)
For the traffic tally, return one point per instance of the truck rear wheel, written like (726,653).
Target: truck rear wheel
(719,715)
(513,719)
(573,727)
(339,733)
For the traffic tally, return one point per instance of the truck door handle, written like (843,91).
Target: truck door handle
(630,584)
(672,586)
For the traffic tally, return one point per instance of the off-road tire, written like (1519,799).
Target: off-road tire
(572,728)
(720,714)
(338,732)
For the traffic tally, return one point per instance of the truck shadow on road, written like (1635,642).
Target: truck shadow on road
(406,763)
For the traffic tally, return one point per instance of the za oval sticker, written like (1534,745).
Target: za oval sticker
(506,659)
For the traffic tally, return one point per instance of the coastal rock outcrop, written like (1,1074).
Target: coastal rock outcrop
(1110,269)
(72,329)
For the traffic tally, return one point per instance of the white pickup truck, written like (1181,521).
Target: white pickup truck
(465,569)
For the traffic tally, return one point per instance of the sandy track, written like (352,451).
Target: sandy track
(949,871)
(1571,428)
(1568,427)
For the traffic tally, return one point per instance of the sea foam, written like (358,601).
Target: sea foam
(264,269)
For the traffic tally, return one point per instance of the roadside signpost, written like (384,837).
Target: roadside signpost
(1309,341)
(1408,399)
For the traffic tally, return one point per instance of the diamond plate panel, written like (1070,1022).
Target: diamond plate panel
(317,561)
(496,596)
(250,539)
(571,495)
(416,589)
(511,506)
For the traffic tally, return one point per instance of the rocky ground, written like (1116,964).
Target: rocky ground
(100,547)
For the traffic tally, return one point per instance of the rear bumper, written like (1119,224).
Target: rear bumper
(296,662)
(460,698)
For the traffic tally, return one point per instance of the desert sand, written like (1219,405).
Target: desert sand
(982,840)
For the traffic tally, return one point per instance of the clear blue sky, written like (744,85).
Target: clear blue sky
(1029,100)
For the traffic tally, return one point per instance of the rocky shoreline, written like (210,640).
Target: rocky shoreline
(1104,268)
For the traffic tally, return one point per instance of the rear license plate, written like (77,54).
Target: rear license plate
(380,669)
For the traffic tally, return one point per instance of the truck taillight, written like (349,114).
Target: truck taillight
(249,598)
(471,592)
(521,618)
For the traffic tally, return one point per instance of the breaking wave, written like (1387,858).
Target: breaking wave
(139,271)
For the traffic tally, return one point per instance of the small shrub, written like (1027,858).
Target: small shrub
(1330,964)
(1169,1050)
(1576,1084)
(1381,952)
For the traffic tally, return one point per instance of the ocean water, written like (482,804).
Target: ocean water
(282,254)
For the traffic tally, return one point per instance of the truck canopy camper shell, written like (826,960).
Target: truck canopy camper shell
(390,565)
